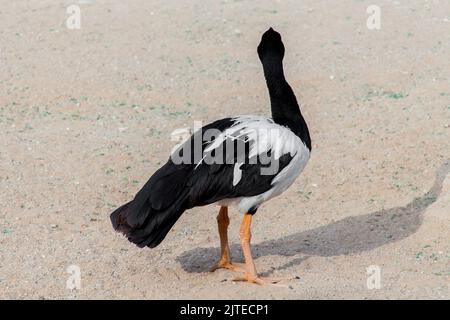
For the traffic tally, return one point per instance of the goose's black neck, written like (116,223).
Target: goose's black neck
(285,108)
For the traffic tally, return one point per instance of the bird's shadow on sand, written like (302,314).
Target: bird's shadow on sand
(349,235)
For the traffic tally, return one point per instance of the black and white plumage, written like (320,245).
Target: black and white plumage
(246,143)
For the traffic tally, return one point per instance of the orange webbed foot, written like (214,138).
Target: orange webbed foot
(228,265)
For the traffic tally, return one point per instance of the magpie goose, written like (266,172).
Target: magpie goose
(239,161)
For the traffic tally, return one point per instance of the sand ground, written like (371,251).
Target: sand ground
(86,117)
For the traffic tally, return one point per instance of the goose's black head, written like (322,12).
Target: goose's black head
(270,45)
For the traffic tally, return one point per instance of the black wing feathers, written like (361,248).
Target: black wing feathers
(175,188)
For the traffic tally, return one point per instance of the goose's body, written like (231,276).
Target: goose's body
(242,161)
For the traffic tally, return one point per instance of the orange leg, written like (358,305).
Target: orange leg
(250,269)
(225,260)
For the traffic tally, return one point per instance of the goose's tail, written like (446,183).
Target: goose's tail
(148,218)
